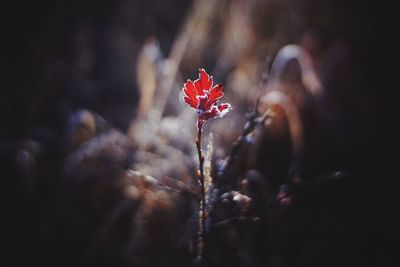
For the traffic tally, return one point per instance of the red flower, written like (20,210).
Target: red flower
(201,96)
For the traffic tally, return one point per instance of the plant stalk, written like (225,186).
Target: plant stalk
(202,209)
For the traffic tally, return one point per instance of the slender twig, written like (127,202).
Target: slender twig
(253,119)
(202,212)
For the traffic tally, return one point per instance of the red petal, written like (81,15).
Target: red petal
(189,91)
(216,93)
(187,100)
(224,106)
(203,83)
(214,112)
(203,103)
(206,80)
(223,109)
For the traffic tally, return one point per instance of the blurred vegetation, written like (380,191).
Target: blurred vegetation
(97,158)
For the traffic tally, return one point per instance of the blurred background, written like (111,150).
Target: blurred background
(97,154)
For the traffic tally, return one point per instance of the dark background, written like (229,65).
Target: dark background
(58,56)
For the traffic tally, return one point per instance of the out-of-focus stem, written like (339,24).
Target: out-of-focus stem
(202,209)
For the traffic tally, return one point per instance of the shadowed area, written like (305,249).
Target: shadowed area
(98,160)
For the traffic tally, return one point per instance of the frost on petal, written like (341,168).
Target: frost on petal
(208,114)
(223,109)
(216,93)
(205,79)
(215,111)
(203,83)
(204,98)
(202,103)
(189,92)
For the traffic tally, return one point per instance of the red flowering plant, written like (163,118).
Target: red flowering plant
(203,97)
